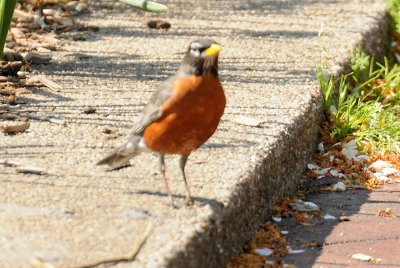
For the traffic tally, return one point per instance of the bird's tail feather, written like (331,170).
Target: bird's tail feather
(122,154)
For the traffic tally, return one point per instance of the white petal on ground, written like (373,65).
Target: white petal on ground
(264,251)
(284,232)
(389,171)
(329,217)
(380,176)
(362,158)
(361,257)
(341,175)
(340,186)
(349,150)
(333,109)
(322,171)
(334,172)
(321,147)
(295,251)
(312,166)
(379,164)
(331,158)
(301,205)
(277,219)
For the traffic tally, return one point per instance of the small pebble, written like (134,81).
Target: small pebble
(379,164)
(361,257)
(389,171)
(89,110)
(312,166)
(321,147)
(340,186)
(264,252)
(277,219)
(329,217)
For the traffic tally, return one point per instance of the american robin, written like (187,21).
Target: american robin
(181,115)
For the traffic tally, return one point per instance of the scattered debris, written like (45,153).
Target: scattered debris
(312,166)
(30,170)
(9,163)
(349,149)
(264,251)
(45,81)
(321,147)
(158,24)
(361,257)
(277,219)
(322,171)
(304,206)
(284,232)
(387,171)
(340,186)
(311,244)
(328,217)
(107,130)
(344,218)
(295,251)
(379,165)
(89,110)
(248,121)
(385,213)
(362,158)
(14,127)
(127,257)
(381,176)
(36,58)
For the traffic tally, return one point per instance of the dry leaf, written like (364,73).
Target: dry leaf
(30,170)
(248,121)
(385,213)
(15,127)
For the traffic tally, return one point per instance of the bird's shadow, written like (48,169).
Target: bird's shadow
(203,201)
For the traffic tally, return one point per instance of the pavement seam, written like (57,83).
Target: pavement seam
(397,237)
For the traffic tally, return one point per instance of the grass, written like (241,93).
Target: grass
(367,105)
(6,12)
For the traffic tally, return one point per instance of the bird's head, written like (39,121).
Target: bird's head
(202,58)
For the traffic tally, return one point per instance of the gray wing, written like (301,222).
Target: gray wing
(151,112)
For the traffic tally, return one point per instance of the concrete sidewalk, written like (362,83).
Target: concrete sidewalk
(77,213)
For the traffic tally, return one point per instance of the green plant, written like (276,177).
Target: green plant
(361,64)
(394,12)
(6,13)
(361,108)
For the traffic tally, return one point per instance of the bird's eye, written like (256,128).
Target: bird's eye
(195,51)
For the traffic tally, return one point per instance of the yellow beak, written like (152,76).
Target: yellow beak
(213,50)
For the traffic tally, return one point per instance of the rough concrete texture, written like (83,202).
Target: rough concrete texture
(79,213)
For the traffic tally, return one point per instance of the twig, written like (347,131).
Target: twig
(128,257)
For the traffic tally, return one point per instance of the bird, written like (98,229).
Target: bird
(182,114)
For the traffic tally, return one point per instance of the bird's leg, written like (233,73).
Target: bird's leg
(182,163)
(162,168)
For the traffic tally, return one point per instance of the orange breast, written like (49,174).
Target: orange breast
(190,116)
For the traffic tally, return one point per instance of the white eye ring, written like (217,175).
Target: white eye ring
(195,52)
